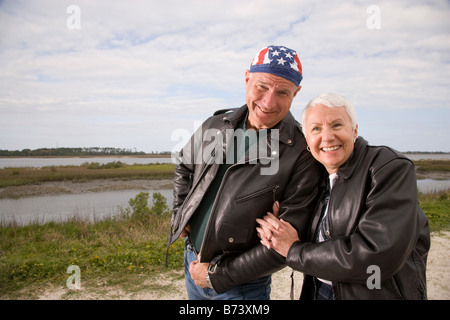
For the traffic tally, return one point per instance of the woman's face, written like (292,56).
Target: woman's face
(330,135)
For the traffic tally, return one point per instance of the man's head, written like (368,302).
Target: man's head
(272,82)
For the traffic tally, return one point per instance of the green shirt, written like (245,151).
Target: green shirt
(201,216)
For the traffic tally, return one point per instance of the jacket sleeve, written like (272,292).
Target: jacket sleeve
(385,234)
(296,207)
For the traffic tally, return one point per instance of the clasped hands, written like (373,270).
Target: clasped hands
(274,233)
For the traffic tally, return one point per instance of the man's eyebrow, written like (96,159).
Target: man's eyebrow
(267,84)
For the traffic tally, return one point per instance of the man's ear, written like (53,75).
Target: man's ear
(247,76)
(296,91)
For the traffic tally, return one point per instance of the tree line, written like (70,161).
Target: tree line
(87,151)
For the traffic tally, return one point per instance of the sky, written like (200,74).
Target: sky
(142,74)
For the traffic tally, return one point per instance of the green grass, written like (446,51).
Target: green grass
(116,252)
(85,172)
(437,208)
(113,249)
(432,165)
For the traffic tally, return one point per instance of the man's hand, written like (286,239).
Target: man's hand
(186,231)
(198,272)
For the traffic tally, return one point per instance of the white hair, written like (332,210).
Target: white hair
(331,100)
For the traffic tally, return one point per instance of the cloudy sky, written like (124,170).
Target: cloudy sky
(137,74)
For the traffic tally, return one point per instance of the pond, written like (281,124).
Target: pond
(90,205)
(100,205)
(75,161)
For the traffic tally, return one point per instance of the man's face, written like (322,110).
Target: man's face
(269,98)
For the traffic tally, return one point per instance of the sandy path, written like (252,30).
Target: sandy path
(438,281)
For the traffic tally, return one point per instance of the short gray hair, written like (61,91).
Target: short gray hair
(331,100)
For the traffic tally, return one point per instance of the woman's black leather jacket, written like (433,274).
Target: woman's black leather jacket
(375,220)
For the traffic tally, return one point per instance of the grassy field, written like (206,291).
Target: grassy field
(119,170)
(118,251)
(113,251)
(85,172)
(432,165)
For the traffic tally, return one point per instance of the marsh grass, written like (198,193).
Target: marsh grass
(432,165)
(115,248)
(437,208)
(114,252)
(84,172)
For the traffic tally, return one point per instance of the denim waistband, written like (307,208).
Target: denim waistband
(190,246)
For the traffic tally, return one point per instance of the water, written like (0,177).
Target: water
(76,161)
(101,205)
(46,162)
(91,206)
(428,156)
(433,186)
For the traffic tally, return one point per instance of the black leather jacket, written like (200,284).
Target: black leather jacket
(230,242)
(375,219)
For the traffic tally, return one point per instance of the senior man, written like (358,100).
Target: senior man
(231,172)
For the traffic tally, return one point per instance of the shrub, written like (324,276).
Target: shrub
(109,165)
(139,208)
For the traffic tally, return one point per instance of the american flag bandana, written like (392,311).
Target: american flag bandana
(280,61)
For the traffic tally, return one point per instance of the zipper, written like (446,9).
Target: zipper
(213,210)
(260,192)
(328,217)
(193,187)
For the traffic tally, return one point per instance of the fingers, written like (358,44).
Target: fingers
(264,229)
(186,231)
(272,220)
(276,208)
(192,265)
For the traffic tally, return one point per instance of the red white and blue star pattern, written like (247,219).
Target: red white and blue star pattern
(280,61)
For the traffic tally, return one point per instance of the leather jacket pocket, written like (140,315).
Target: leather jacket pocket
(233,234)
(258,193)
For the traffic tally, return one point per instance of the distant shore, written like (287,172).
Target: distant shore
(100,185)
(92,156)
(70,187)
(91,177)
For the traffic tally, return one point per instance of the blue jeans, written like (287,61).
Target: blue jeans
(258,289)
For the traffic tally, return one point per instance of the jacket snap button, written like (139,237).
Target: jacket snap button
(289,141)
(231,240)
(328,232)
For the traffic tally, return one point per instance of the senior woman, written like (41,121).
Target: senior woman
(368,237)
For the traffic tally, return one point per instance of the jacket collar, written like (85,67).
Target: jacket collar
(286,126)
(349,167)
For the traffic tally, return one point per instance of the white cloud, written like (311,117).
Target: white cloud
(139,70)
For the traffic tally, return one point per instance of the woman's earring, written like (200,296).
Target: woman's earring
(308,148)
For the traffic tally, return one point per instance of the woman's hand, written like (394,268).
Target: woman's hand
(275,233)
